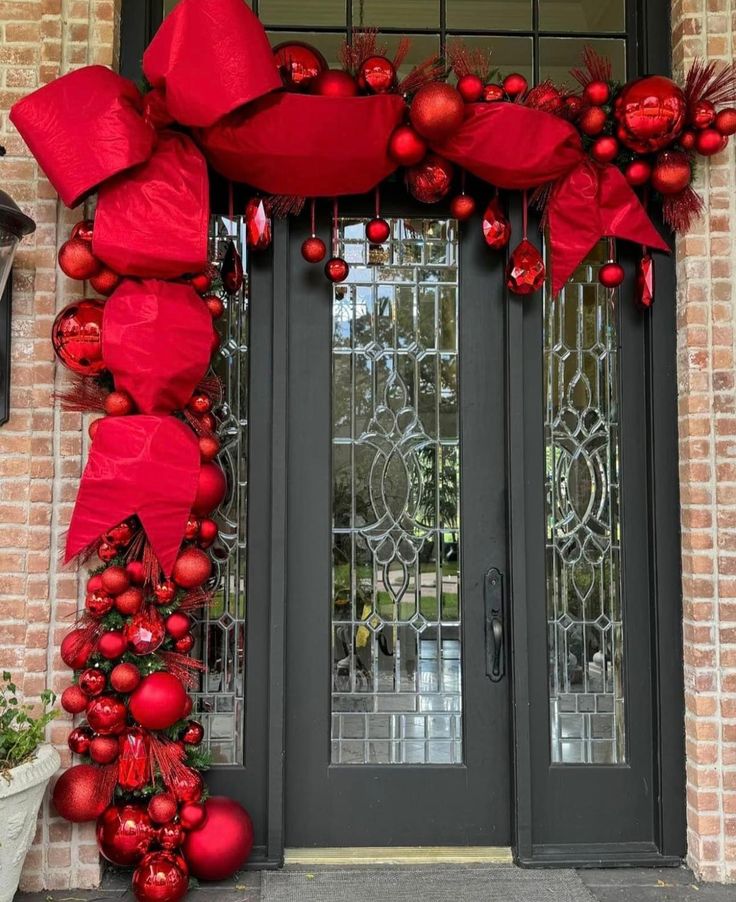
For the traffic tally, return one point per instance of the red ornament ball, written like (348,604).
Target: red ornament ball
(221,846)
(650,112)
(105,281)
(160,877)
(638,172)
(701,114)
(430,180)
(78,795)
(83,229)
(77,337)
(611,274)
(74,700)
(215,305)
(211,489)
(76,649)
(191,529)
(201,282)
(208,532)
(79,740)
(162,807)
(178,624)
(209,447)
(104,749)
(112,644)
(76,259)
(377,75)
(94,583)
(591,120)
(336,269)
(158,701)
(313,249)
(298,64)
(571,106)
(185,644)
(192,568)
(726,121)
(92,681)
(437,111)
(596,93)
(187,785)
(145,632)
(671,172)
(687,139)
(193,733)
(406,147)
(171,836)
(129,602)
(164,592)
(515,84)
(188,705)
(107,715)
(118,404)
(709,142)
(106,552)
(462,206)
(124,834)
(377,230)
(334,83)
(114,580)
(605,149)
(493,93)
(470,87)
(125,677)
(192,815)
(98,604)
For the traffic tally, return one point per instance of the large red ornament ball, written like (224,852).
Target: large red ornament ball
(515,84)
(124,834)
(437,111)
(112,644)
(74,700)
(671,172)
(104,749)
(336,269)
(313,249)
(76,259)
(211,489)
(162,807)
(79,739)
(638,172)
(78,794)
(106,715)
(406,147)
(709,142)
(298,64)
(334,83)
(160,877)
(192,568)
(145,632)
(221,846)
(377,75)
(650,112)
(192,815)
(158,701)
(596,93)
(726,121)
(77,337)
(125,677)
(76,649)
(611,274)
(92,681)
(470,87)
(377,230)
(430,180)
(462,206)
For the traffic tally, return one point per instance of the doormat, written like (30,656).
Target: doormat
(458,883)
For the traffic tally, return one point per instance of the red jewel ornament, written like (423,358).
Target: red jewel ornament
(462,207)
(79,740)
(495,225)
(596,93)
(83,229)
(701,114)
(515,84)
(313,249)
(726,121)
(377,230)
(105,281)
(298,64)
(671,172)
(493,93)
(76,259)
(162,808)
(124,834)
(145,632)
(591,120)
(92,681)
(134,766)
(129,602)
(171,836)
(105,551)
(650,112)
(185,644)
(192,568)
(178,625)
(377,75)
(336,269)
(257,224)
(644,295)
(334,83)
(437,111)
(78,794)
(164,592)
(221,846)
(76,648)
(525,271)
(112,645)
(74,700)
(158,701)
(208,532)
(231,269)
(470,87)
(192,815)
(124,677)
(193,734)
(211,488)
(709,142)
(103,749)
(160,877)
(187,785)
(77,337)
(430,180)
(406,147)
(114,580)
(611,274)
(605,149)
(98,604)
(106,715)
(638,172)
(209,447)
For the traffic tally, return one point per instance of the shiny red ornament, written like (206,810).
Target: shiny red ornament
(207,423)
(171,836)
(726,121)
(92,681)
(377,230)
(544,97)
(76,259)
(103,749)
(125,677)
(406,147)
(462,207)
(215,305)
(185,644)
(334,83)
(145,632)
(83,229)
(377,75)
(74,700)
(430,180)
(638,172)
(211,489)
(164,592)
(650,112)
(257,224)
(208,532)
(493,93)
(515,84)
(188,705)
(591,120)
(105,551)
(671,172)
(76,649)
(105,281)
(124,834)
(107,715)
(336,269)
(192,568)
(313,249)
(221,846)
(77,337)
(178,624)
(298,64)
(114,580)
(112,645)
(120,535)
(495,225)
(98,604)
(191,529)
(192,815)
(94,583)
(709,142)
(596,93)
(193,733)
(201,282)
(571,106)
(162,807)
(437,111)
(134,766)
(604,149)
(644,295)
(701,114)
(525,270)
(470,86)
(160,877)
(78,794)
(79,740)
(136,572)
(231,269)
(611,274)
(187,785)
(200,403)
(129,602)
(158,701)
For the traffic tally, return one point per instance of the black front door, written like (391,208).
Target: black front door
(397,707)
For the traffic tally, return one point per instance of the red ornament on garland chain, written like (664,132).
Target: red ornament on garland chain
(160,877)
(495,225)
(298,64)
(437,111)
(158,701)
(107,715)
(257,224)
(650,112)
(377,75)
(124,834)
(221,846)
(525,271)
(134,767)
(336,269)
(313,248)
(611,274)
(430,180)
(406,147)
(77,337)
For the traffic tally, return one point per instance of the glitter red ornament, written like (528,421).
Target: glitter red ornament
(430,180)
(145,632)
(124,834)
(462,207)
(160,877)
(298,64)
(124,677)
(105,281)
(211,488)
(334,83)
(406,147)
(650,112)
(377,230)
(114,580)
(92,681)
(671,172)
(162,807)
(106,715)
(470,87)
(76,648)
(515,84)
(74,700)
(158,701)
(596,93)
(377,75)
(436,111)
(76,259)
(496,227)
(118,404)
(103,749)
(192,568)
(257,224)
(78,794)
(129,602)
(77,337)
(79,740)
(313,249)
(112,645)
(221,846)
(591,120)
(726,121)
(134,766)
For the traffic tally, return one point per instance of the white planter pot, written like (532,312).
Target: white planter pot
(20,800)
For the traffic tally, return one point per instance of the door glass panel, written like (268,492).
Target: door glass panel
(396,639)
(583,532)
(508,54)
(558,55)
(504,15)
(406,14)
(292,12)
(591,16)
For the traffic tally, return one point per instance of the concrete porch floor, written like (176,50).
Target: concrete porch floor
(611,885)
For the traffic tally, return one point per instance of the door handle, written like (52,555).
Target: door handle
(494,620)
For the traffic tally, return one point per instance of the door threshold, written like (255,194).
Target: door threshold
(401,855)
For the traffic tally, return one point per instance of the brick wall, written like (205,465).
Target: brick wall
(707,422)
(40,447)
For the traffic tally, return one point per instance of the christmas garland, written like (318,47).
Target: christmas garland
(219,96)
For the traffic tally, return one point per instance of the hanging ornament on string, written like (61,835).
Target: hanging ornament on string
(462,206)
(611,274)
(377,230)
(644,294)
(257,224)
(313,248)
(336,269)
(525,270)
(495,225)
(430,180)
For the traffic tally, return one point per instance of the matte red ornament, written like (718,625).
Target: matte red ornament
(162,807)
(611,274)
(193,734)
(644,295)
(202,281)
(571,106)
(436,111)
(160,877)
(313,249)
(221,846)
(336,269)
(79,740)
(124,834)
(187,785)
(208,532)
(83,229)
(493,93)
(106,715)
(171,836)
(114,580)
(98,604)
(145,632)
(605,149)
(192,815)
(406,147)
(591,120)
(188,705)
(470,87)
(638,172)
(164,592)
(209,447)
(125,677)
(76,648)
(211,489)
(257,224)
(334,83)
(495,225)
(215,305)
(701,114)
(118,404)
(709,142)
(178,624)
(185,644)
(515,84)
(78,794)
(129,602)
(298,64)
(94,583)
(377,230)
(192,568)
(134,766)
(650,112)
(136,572)
(74,700)
(105,281)
(112,645)
(596,93)
(158,701)
(77,337)
(377,75)
(103,749)
(430,180)
(687,139)
(525,271)
(76,259)
(726,121)
(92,681)
(671,172)
(462,207)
